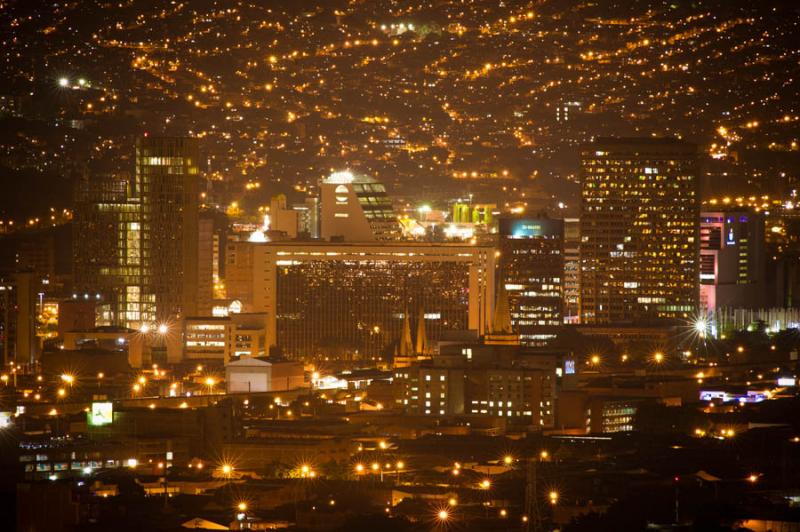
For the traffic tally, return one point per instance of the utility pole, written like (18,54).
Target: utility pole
(5,290)
(534,522)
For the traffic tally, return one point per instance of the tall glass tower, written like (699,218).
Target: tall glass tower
(137,237)
(639,230)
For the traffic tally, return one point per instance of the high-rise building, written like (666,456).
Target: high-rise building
(308,217)
(356,208)
(639,230)
(532,273)
(282,218)
(167,183)
(107,249)
(136,239)
(348,300)
(572,271)
(732,260)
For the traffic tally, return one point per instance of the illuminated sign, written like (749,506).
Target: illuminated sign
(531,227)
(731,237)
(749,397)
(101,414)
(5,419)
(569,367)
(787,381)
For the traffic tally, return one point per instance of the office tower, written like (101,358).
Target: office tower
(572,271)
(308,222)
(732,260)
(212,239)
(639,230)
(282,218)
(532,273)
(356,208)
(206,247)
(107,249)
(167,182)
(137,239)
(348,300)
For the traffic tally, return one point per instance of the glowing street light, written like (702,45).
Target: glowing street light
(144,329)
(486,484)
(553,497)
(508,460)
(162,329)
(242,506)
(701,327)
(227,469)
(359,468)
(658,357)
(69,379)
(443,515)
(63,82)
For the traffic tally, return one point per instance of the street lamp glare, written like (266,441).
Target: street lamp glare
(701,325)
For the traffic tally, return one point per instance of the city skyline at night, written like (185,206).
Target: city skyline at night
(351,265)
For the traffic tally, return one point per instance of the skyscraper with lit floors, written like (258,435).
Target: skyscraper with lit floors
(137,236)
(639,230)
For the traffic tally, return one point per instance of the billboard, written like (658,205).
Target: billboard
(101,414)
(531,228)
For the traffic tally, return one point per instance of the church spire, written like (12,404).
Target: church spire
(422,335)
(502,311)
(502,333)
(406,345)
